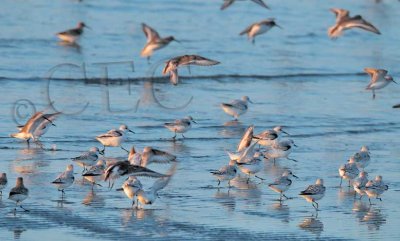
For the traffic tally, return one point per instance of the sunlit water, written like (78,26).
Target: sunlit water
(329,116)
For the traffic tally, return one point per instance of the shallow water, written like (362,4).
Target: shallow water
(329,116)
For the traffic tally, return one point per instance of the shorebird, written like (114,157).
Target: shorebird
(379,79)
(36,126)
(171,66)
(236,108)
(123,168)
(19,193)
(362,157)
(359,183)
(114,137)
(281,149)
(95,173)
(314,193)
(247,137)
(228,3)
(154,41)
(131,187)
(87,158)
(252,166)
(148,197)
(344,22)
(259,28)
(72,35)
(349,171)
(269,137)
(374,189)
(3,182)
(227,172)
(282,184)
(65,179)
(180,125)
(148,156)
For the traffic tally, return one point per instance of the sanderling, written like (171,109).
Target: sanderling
(282,184)
(35,127)
(123,168)
(269,137)
(348,171)
(252,166)
(314,192)
(154,41)
(375,188)
(227,172)
(246,139)
(281,149)
(379,79)
(171,66)
(3,182)
(150,196)
(362,157)
(72,35)
(65,179)
(245,155)
(180,125)
(359,183)
(95,173)
(344,22)
(149,155)
(227,3)
(114,137)
(131,187)
(19,193)
(236,107)
(87,158)
(259,28)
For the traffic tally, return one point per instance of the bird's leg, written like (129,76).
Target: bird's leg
(27,142)
(124,149)
(369,199)
(341,179)
(259,178)
(219,182)
(380,199)
(285,196)
(174,137)
(148,59)
(189,69)
(248,179)
(349,183)
(104,149)
(253,41)
(26,210)
(280,197)
(274,161)
(183,136)
(133,202)
(373,94)
(291,159)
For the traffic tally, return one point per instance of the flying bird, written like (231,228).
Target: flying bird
(172,65)
(228,3)
(259,28)
(379,79)
(344,22)
(154,41)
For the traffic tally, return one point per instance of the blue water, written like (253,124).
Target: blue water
(296,76)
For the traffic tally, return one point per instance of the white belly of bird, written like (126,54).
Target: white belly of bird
(94,179)
(179,128)
(111,141)
(279,188)
(264,142)
(18,197)
(68,38)
(64,185)
(259,29)
(360,191)
(145,198)
(130,192)
(347,175)
(311,198)
(233,111)
(250,169)
(363,163)
(379,85)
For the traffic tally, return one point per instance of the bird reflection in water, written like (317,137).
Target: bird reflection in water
(281,211)
(93,199)
(312,225)
(226,199)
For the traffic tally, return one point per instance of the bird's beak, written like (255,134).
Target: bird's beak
(251,101)
(88,27)
(394,81)
(177,41)
(285,132)
(101,152)
(279,26)
(295,176)
(295,145)
(119,189)
(131,131)
(194,121)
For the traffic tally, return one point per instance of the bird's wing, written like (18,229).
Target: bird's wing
(162,182)
(248,29)
(73,32)
(261,3)
(359,22)
(32,123)
(198,60)
(282,147)
(246,139)
(268,134)
(162,156)
(340,13)
(111,133)
(313,189)
(150,33)
(174,78)
(227,3)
